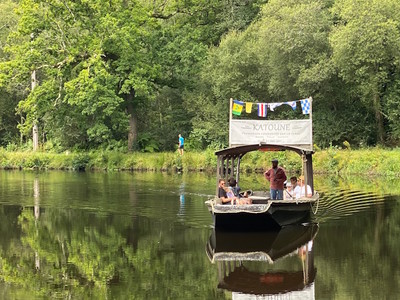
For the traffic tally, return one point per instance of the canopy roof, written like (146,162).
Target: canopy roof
(242,150)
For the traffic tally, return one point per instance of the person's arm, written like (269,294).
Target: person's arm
(223,196)
(225,200)
(309,191)
(297,192)
(287,194)
(284,175)
(267,175)
(280,176)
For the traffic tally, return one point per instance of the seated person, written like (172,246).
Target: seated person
(223,193)
(290,192)
(233,186)
(235,191)
(287,191)
(300,190)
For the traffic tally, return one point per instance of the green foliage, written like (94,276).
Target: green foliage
(156,69)
(392,109)
(147,143)
(366,46)
(334,160)
(80,161)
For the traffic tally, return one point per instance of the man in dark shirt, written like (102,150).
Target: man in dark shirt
(276,176)
(222,193)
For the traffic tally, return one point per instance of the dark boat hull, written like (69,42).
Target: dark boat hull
(277,216)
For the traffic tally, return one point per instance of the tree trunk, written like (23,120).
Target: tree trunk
(379,119)
(35,137)
(132,134)
(35,130)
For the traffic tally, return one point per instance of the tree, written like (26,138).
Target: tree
(366,43)
(9,96)
(91,59)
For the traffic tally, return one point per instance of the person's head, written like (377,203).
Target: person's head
(221,182)
(287,185)
(179,135)
(274,163)
(293,181)
(301,180)
(232,182)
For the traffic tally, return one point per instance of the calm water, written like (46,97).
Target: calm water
(149,236)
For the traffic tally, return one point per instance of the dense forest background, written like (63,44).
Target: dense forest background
(130,75)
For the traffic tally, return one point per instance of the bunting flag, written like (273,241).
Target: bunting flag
(262,110)
(292,104)
(305,106)
(249,106)
(272,106)
(237,107)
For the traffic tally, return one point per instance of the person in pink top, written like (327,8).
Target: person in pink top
(276,177)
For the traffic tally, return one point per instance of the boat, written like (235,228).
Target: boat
(246,135)
(275,264)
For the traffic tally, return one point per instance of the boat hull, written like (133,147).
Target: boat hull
(267,217)
(244,221)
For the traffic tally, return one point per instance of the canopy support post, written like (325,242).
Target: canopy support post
(218,173)
(309,178)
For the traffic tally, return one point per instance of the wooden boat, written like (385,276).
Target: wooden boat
(260,265)
(264,213)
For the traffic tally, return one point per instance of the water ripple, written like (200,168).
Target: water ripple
(338,204)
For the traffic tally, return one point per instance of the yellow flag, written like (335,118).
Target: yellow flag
(248,107)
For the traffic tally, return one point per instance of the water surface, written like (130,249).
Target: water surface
(145,236)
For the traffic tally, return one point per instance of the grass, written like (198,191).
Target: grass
(375,161)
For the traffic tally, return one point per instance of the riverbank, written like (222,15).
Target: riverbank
(375,161)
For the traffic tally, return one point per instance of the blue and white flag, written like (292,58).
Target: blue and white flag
(292,104)
(262,110)
(272,106)
(305,106)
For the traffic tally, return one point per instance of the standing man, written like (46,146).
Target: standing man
(276,176)
(181,144)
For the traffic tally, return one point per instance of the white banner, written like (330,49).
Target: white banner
(278,132)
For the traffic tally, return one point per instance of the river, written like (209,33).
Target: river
(94,235)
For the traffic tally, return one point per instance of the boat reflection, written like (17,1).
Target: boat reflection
(265,265)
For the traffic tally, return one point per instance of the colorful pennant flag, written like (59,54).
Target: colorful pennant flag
(292,104)
(249,106)
(305,106)
(272,106)
(262,110)
(237,107)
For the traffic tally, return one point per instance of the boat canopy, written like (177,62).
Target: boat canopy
(246,135)
(228,160)
(242,150)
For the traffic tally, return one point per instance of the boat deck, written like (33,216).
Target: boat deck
(262,204)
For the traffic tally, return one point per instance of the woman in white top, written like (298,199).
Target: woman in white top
(300,190)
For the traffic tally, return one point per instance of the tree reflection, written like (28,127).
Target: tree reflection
(87,255)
